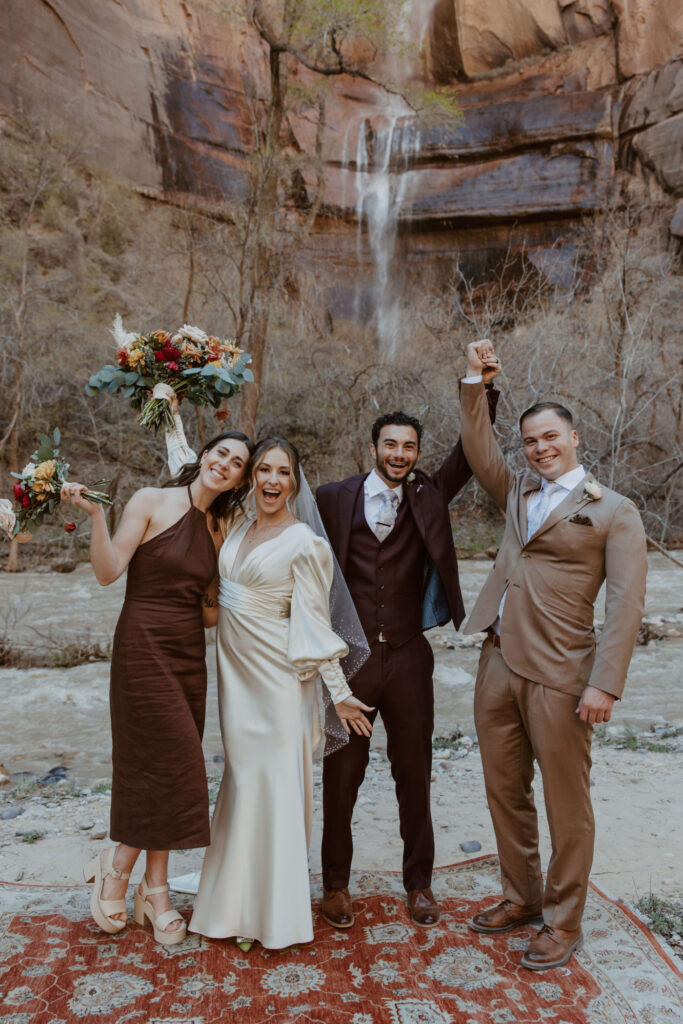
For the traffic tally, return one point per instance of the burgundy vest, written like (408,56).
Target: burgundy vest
(386,579)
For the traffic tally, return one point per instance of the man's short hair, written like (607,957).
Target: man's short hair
(561,410)
(398,419)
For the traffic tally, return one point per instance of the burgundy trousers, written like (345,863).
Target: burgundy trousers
(397,682)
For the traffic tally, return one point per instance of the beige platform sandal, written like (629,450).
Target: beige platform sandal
(159,922)
(96,871)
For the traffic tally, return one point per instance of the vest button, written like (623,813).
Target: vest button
(381,606)
(381,586)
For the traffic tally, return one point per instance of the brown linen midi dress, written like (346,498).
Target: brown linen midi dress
(159,798)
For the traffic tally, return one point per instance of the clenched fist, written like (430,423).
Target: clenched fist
(482,360)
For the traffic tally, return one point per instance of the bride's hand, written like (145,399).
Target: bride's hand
(162,390)
(350,711)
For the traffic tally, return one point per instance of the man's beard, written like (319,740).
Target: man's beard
(393,473)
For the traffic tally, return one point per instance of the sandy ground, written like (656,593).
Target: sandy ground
(59,717)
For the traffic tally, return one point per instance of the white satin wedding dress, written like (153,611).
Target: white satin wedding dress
(274,638)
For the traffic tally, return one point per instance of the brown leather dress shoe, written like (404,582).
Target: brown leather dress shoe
(504,917)
(337,908)
(424,910)
(552,947)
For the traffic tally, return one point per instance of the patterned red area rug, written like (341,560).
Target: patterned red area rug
(56,966)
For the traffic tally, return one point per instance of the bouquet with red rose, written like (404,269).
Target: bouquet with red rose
(38,486)
(199,367)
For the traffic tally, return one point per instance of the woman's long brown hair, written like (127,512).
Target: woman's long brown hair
(225,504)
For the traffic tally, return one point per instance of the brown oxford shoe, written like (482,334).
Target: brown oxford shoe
(503,918)
(552,947)
(424,910)
(337,908)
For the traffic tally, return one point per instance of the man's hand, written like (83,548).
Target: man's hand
(482,360)
(595,706)
(350,711)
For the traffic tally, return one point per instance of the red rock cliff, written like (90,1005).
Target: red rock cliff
(559,96)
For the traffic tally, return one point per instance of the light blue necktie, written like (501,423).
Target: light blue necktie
(538,514)
(386,517)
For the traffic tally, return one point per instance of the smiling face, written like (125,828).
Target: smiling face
(549,444)
(222,467)
(273,482)
(396,453)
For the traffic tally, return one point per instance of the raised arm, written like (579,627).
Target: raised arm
(455,471)
(178,451)
(110,556)
(478,440)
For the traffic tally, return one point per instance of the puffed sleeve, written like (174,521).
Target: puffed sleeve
(314,648)
(178,450)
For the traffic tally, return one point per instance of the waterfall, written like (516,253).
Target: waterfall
(384,151)
(379,157)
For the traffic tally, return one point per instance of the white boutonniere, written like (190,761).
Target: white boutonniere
(410,479)
(591,492)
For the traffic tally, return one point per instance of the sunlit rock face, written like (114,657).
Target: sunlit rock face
(154,90)
(472,37)
(559,98)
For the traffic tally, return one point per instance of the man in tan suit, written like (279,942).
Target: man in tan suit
(542,682)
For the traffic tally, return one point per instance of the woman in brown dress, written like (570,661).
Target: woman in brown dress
(168,540)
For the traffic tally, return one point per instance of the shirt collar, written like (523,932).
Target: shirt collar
(374,485)
(568,480)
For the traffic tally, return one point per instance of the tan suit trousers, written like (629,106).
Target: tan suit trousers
(519,721)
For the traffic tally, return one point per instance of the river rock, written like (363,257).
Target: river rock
(11,812)
(471,846)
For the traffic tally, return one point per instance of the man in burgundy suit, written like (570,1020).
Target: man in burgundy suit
(391,532)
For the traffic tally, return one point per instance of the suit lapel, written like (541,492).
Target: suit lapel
(348,496)
(417,508)
(410,492)
(530,483)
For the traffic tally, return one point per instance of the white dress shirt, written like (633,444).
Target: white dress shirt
(565,483)
(373,489)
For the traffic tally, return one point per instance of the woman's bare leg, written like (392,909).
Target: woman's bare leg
(115,888)
(157,874)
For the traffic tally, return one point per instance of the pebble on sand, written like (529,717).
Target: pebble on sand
(11,812)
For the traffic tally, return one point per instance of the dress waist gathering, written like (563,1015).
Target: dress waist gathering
(248,601)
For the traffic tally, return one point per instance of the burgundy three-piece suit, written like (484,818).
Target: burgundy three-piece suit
(404,584)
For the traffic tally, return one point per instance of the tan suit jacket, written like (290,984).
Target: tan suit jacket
(553,579)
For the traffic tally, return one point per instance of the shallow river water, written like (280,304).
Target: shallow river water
(53,715)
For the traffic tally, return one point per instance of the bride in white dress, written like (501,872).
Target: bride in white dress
(274,639)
